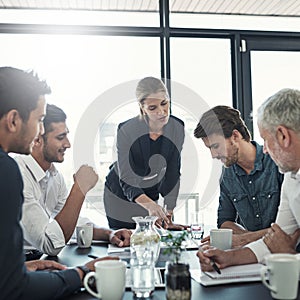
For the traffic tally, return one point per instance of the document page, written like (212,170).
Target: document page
(234,274)
(237,271)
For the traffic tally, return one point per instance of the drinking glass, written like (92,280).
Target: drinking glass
(197,225)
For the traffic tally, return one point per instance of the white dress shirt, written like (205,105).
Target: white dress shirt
(288,217)
(45,194)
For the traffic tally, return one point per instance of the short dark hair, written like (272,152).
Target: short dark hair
(20,90)
(221,120)
(54,114)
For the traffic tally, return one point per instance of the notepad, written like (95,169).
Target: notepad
(237,271)
(243,273)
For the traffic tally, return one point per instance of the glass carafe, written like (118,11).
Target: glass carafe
(144,248)
(145,236)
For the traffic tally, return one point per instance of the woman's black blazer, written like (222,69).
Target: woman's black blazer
(137,171)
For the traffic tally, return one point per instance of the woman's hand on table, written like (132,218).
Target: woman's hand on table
(177,227)
(120,238)
(35,265)
(173,226)
(153,208)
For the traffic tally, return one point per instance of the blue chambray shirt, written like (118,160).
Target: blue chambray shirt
(250,200)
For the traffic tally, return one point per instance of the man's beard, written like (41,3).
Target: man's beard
(233,158)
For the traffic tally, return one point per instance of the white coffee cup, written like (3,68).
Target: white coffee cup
(281,275)
(221,238)
(110,276)
(84,235)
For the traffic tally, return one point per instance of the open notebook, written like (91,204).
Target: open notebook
(243,273)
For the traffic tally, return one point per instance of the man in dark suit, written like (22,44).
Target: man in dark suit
(22,109)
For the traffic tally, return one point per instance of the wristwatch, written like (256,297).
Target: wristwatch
(84,269)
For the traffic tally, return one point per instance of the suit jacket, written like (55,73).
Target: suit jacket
(137,171)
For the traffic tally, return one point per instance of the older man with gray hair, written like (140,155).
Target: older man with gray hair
(279,126)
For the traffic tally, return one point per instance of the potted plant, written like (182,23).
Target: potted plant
(177,275)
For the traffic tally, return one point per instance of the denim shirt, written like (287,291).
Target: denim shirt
(250,200)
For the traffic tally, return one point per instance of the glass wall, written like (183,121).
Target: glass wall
(201,76)
(84,69)
(79,69)
(264,65)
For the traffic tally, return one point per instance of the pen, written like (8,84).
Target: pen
(92,256)
(165,211)
(212,263)
(216,268)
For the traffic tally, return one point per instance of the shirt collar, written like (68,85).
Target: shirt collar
(296,175)
(36,169)
(258,164)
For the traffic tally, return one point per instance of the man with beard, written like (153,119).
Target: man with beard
(22,109)
(49,213)
(250,183)
(279,126)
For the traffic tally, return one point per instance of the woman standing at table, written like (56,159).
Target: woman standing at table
(148,163)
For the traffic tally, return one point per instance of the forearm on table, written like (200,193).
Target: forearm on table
(252,236)
(68,216)
(241,257)
(237,229)
(38,231)
(102,234)
(49,239)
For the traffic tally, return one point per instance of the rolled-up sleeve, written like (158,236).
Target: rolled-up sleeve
(260,250)
(40,231)
(46,236)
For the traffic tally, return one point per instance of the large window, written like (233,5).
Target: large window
(208,66)
(201,71)
(79,69)
(264,65)
(83,17)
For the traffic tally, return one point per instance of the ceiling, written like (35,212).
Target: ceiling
(286,8)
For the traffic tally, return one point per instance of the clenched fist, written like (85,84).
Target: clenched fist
(86,178)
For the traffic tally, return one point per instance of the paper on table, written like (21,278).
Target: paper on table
(237,271)
(73,241)
(190,245)
(116,249)
(234,274)
(122,253)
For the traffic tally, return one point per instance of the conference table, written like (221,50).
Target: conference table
(73,256)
